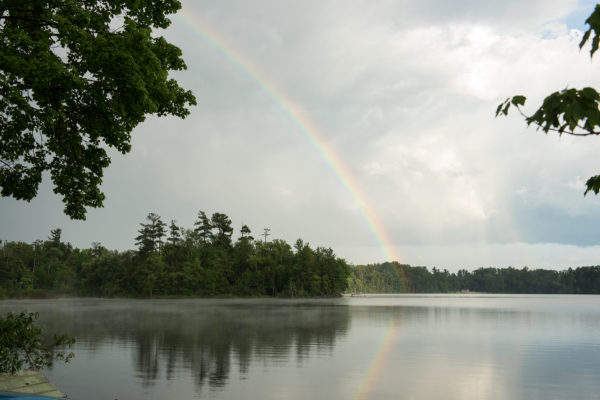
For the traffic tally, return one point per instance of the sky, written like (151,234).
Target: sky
(363,126)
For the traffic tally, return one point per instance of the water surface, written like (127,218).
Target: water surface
(377,347)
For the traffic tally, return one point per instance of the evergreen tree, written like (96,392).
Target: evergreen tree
(245,233)
(243,251)
(222,224)
(203,227)
(150,235)
(174,234)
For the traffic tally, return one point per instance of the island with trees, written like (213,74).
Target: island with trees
(171,261)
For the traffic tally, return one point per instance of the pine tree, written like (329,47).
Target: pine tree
(150,235)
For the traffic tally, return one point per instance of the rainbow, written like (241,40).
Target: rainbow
(299,119)
(378,362)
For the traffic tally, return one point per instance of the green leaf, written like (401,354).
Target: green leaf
(594,22)
(593,184)
(499,109)
(585,38)
(590,93)
(518,100)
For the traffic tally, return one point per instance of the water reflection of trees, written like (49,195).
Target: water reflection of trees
(202,337)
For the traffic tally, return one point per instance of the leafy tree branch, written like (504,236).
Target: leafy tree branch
(569,111)
(80,75)
(21,344)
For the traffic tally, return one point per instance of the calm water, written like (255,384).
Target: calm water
(378,347)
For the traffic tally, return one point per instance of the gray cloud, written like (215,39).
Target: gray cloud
(403,92)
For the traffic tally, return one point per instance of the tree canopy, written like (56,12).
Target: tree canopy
(76,77)
(572,111)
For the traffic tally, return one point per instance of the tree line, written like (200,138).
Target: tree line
(173,261)
(205,261)
(401,278)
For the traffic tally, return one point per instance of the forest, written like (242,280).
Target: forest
(205,261)
(401,278)
(171,261)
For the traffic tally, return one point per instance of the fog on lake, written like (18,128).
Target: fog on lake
(376,347)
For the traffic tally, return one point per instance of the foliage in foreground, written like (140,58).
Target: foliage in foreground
(570,111)
(21,344)
(172,261)
(76,77)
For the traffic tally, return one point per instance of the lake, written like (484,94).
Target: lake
(375,347)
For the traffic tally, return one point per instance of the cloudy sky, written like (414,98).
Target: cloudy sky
(403,94)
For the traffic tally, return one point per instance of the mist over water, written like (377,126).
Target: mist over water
(378,347)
